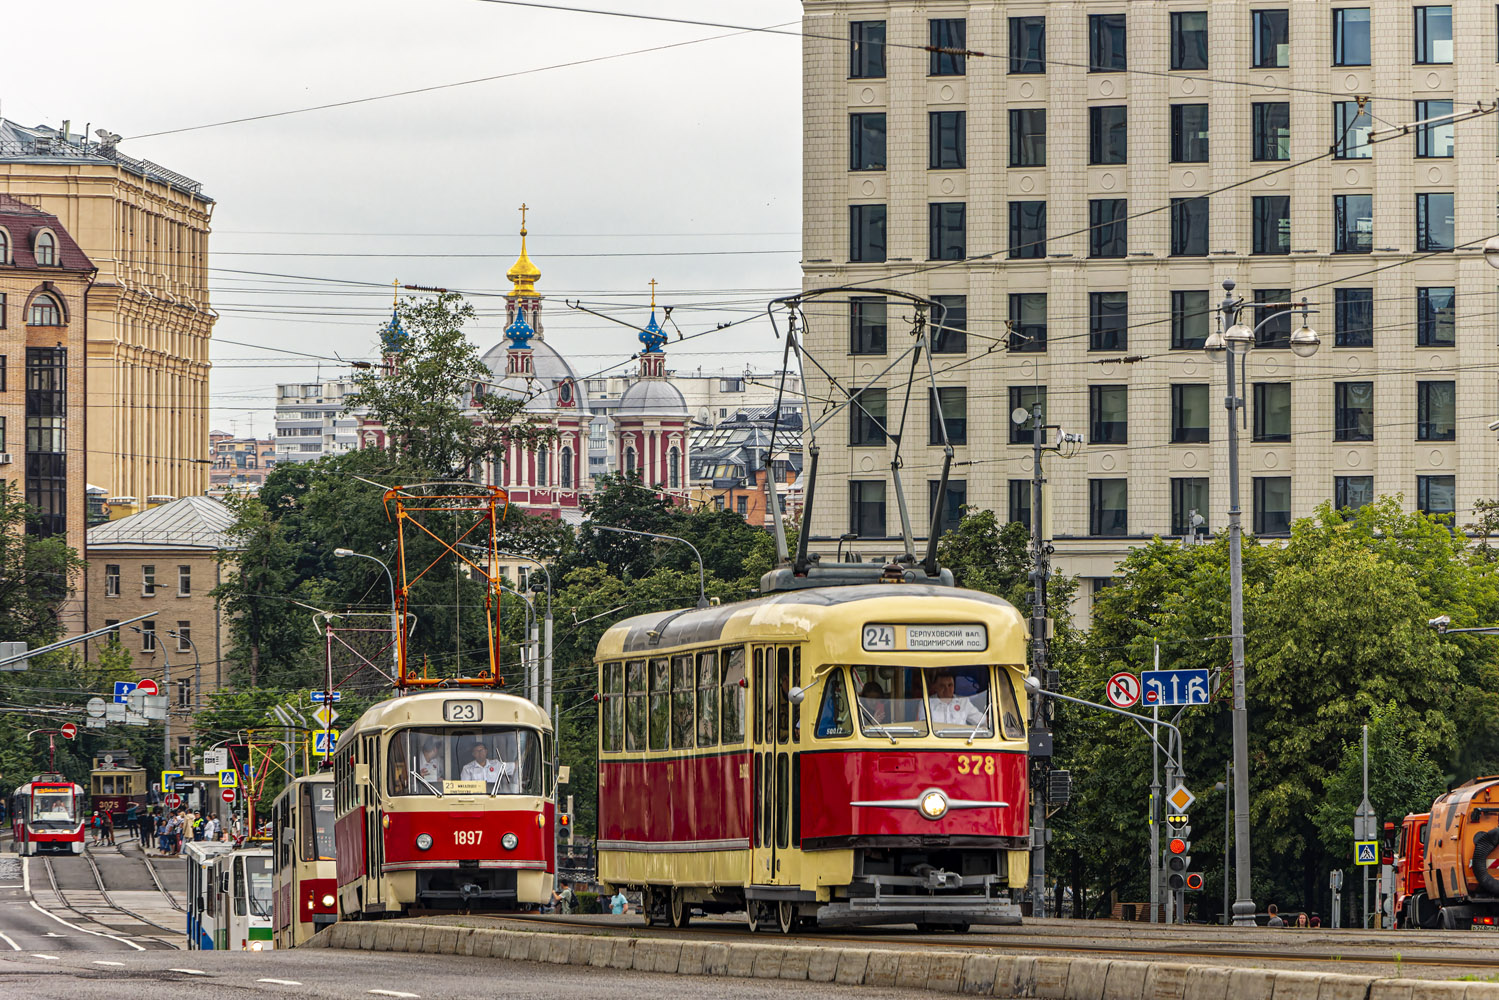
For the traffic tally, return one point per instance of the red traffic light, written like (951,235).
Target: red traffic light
(1194,880)
(1177,846)
(564,820)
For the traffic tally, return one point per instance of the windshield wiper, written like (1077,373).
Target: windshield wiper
(418,775)
(875,727)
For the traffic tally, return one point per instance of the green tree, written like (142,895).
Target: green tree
(36,573)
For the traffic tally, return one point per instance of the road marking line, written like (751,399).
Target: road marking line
(84,930)
(6,938)
(101,961)
(280,982)
(189,972)
(392,993)
(50,958)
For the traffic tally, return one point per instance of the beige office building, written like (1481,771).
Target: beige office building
(145,228)
(1079,193)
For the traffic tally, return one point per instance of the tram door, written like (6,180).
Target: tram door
(374,836)
(777,785)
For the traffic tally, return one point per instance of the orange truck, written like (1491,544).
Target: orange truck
(1413,907)
(1460,866)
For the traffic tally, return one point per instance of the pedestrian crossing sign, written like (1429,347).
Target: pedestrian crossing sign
(323,741)
(1366,852)
(228,778)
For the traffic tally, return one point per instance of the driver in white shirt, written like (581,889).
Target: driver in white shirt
(948,708)
(481,768)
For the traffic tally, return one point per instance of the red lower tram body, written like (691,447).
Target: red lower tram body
(305,906)
(48,816)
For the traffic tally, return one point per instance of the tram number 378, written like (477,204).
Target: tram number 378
(975,763)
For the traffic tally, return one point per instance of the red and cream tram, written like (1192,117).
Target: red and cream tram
(445,800)
(46,814)
(841,755)
(302,846)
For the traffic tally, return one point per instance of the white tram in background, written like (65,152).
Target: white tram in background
(306,876)
(445,800)
(46,814)
(229,897)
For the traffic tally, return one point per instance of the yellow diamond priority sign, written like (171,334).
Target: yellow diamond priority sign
(1180,799)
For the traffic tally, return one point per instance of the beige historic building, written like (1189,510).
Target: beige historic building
(1078,195)
(146,229)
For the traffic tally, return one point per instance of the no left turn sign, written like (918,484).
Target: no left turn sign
(1124,690)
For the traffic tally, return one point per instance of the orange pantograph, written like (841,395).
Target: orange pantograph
(454,515)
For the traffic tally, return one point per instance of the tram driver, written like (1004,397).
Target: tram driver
(501,776)
(430,764)
(950,708)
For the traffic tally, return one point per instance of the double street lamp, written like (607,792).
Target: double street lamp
(1234,340)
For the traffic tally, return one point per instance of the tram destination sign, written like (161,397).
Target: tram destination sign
(926,638)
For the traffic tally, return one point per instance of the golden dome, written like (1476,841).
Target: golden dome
(523,273)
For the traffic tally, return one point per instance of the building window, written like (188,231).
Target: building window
(741,506)
(1272,411)
(1436,494)
(46,249)
(542,459)
(1028,321)
(111,580)
(866,49)
(1189,39)
(1108,321)
(1351,126)
(45,311)
(629,461)
(1189,507)
(866,419)
(1020,501)
(148,581)
(1350,36)
(1434,222)
(1272,131)
(566,478)
(4,247)
(1189,133)
(1433,35)
(1027,137)
(184,700)
(953,403)
(1190,316)
(1027,230)
(1106,43)
(1436,411)
(1027,398)
(1435,139)
(1352,492)
(1108,134)
(674,468)
(1272,317)
(948,140)
(866,508)
(1108,413)
(148,635)
(1028,44)
(1272,505)
(948,33)
(1353,411)
(866,141)
(184,636)
(1272,224)
(718,502)
(866,231)
(950,325)
(866,325)
(1191,413)
(1108,228)
(1108,507)
(952,504)
(1436,317)
(3,311)
(1353,223)
(1272,38)
(1189,227)
(184,581)
(1353,321)
(948,225)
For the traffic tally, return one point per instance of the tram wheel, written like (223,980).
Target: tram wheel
(786,916)
(681,911)
(653,906)
(756,916)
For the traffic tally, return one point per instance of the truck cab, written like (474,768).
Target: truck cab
(1413,908)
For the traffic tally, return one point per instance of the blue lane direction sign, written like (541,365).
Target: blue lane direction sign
(1366,852)
(122,691)
(318,697)
(1174,687)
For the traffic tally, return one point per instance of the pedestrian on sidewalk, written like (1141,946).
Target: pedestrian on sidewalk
(133,819)
(107,825)
(1275,918)
(211,828)
(148,831)
(95,828)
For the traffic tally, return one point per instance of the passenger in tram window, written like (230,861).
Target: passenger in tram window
(430,764)
(952,709)
(873,701)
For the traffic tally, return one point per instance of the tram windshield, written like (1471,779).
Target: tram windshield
(951,702)
(317,822)
(253,883)
(52,808)
(466,761)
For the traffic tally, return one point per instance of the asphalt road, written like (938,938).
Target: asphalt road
(318,972)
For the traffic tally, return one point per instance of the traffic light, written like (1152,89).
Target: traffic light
(565,821)
(1178,861)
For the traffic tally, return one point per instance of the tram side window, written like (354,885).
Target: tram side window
(240,895)
(317,823)
(781,688)
(614,708)
(660,703)
(890,700)
(764,703)
(833,719)
(682,690)
(796,682)
(635,712)
(707,699)
(1010,720)
(733,695)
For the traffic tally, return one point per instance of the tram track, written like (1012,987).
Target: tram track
(94,904)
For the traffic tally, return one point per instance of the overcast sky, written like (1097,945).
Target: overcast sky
(694,148)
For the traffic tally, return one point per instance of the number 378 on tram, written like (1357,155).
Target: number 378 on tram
(839,755)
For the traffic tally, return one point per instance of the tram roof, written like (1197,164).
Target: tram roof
(781,614)
(425,708)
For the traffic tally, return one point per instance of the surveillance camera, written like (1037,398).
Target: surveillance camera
(1440,622)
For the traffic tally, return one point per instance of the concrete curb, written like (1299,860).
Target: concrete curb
(999,975)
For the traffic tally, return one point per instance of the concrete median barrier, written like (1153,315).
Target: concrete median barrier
(1048,977)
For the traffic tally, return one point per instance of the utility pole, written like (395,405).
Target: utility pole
(1155,805)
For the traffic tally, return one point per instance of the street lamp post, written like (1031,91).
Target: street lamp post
(395,615)
(527,652)
(1233,338)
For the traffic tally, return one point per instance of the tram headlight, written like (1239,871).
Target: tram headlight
(933,804)
(509,841)
(328,899)
(423,841)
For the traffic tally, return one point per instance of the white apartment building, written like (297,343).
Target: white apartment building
(311,423)
(1078,193)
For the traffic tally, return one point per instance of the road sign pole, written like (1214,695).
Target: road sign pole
(1155,807)
(1366,834)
